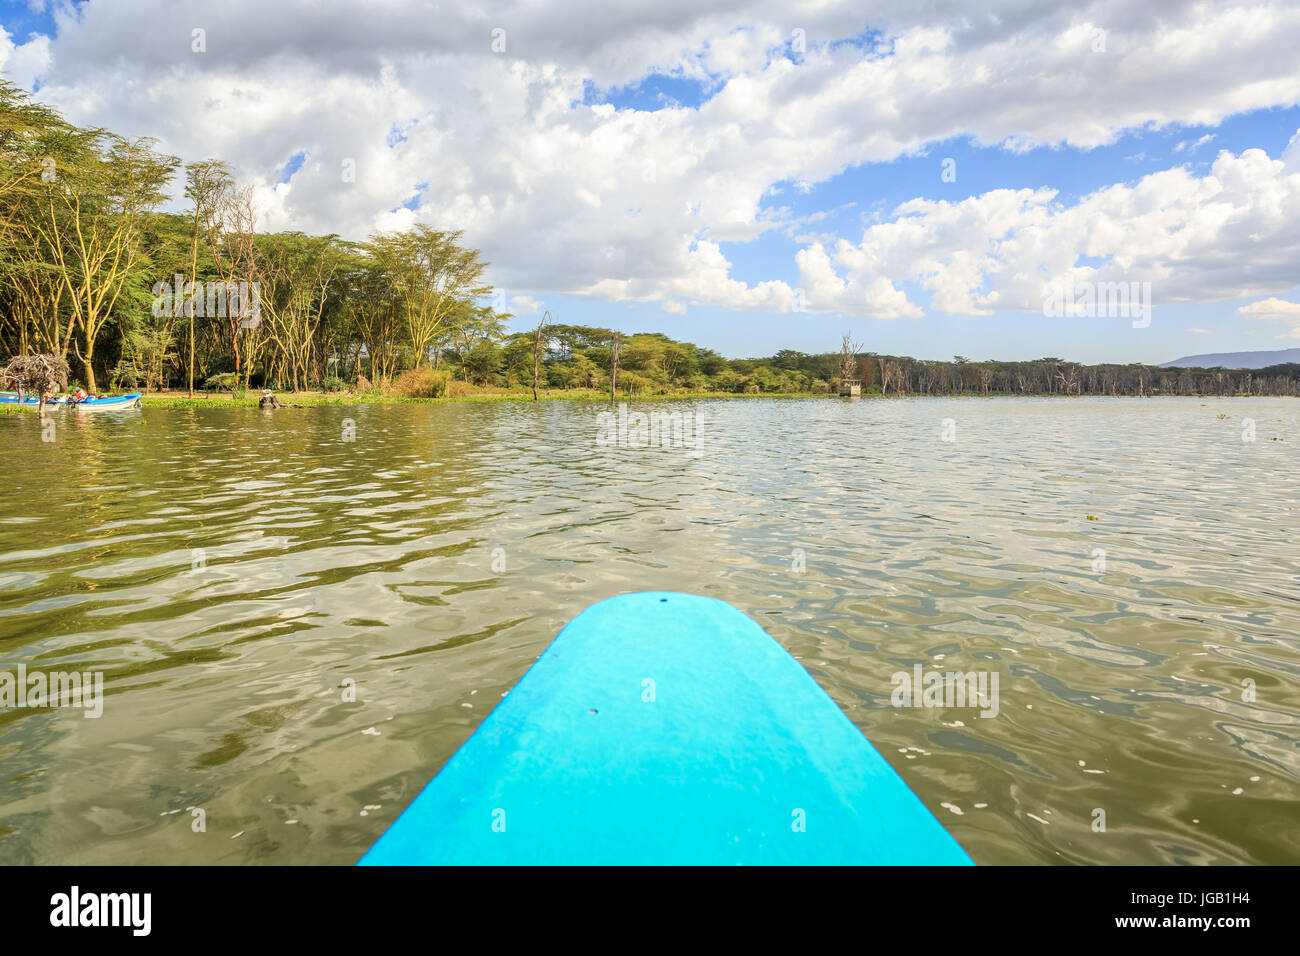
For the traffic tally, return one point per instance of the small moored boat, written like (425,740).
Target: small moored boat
(106,403)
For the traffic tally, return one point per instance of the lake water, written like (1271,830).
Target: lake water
(236,574)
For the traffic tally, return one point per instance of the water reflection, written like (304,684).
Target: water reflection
(237,574)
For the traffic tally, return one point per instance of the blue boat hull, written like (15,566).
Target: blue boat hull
(663,728)
(107,403)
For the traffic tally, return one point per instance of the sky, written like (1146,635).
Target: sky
(753,175)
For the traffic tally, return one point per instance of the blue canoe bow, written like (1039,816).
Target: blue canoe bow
(663,728)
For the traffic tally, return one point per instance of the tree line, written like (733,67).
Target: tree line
(93,272)
(902,375)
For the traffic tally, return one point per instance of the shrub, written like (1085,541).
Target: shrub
(730,381)
(421,383)
(222,381)
(333,383)
(458,389)
(124,376)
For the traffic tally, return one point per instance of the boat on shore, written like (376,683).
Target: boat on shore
(106,403)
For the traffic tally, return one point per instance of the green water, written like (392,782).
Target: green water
(236,575)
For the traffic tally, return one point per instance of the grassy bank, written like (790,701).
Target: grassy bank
(250,400)
(310,399)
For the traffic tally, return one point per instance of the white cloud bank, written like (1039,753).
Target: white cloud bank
(1230,233)
(632,205)
(1274,309)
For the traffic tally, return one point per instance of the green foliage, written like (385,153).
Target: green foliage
(482,363)
(222,381)
(85,253)
(124,376)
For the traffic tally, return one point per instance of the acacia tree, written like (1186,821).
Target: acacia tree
(230,225)
(476,328)
(34,294)
(25,127)
(93,219)
(204,182)
(432,275)
(148,324)
(959,362)
(370,302)
(297,271)
(36,145)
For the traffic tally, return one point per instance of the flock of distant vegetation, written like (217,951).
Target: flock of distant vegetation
(91,271)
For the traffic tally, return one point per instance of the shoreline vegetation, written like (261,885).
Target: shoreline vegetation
(93,274)
(314,399)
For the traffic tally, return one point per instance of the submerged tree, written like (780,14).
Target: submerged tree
(36,374)
(615,341)
(538,333)
(848,367)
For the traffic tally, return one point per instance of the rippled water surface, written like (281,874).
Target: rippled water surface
(234,572)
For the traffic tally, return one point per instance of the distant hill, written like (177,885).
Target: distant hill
(1236,359)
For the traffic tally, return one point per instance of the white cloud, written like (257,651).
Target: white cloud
(1291,155)
(1233,232)
(24,62)
(1192,146)
(1274,309)
(1200,331)
(1271,308)
(525,305)
(622,204)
